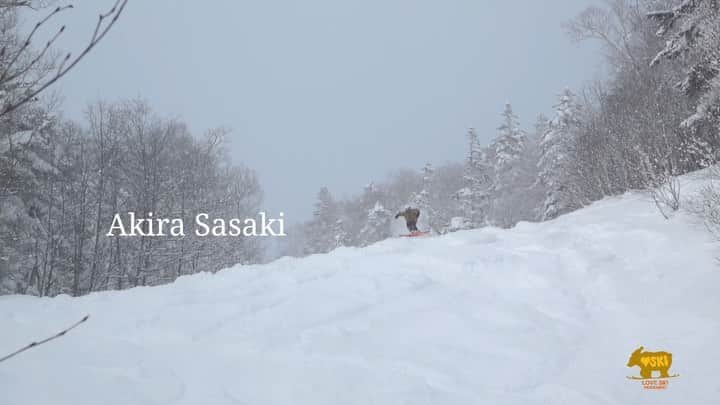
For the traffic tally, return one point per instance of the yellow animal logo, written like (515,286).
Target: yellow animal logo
(649,362)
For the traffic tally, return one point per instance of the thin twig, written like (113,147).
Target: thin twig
(28,41)
(35,60)
(34,344)
(98,35)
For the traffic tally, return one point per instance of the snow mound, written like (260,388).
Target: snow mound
(540,314)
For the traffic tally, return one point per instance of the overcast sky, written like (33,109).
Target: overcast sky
(329,92)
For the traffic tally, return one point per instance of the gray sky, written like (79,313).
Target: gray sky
(328,92)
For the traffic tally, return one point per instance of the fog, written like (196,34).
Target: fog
(326,93)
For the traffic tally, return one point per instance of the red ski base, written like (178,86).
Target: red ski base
(414,234)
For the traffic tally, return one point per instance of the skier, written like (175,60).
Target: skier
(411,216)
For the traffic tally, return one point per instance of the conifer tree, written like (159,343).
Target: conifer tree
(325,231)
(424,200)
(377,226)
(556,158)
(474,197)
(510,143)
(692,29)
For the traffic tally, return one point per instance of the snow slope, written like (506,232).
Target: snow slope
(540,314)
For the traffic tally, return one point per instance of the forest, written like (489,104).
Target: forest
(654,116)
(62,182)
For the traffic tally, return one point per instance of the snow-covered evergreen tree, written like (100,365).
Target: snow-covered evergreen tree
(510,143)
(542,123)
(555,164)
(326,230)
(693,31)
(355,213)
(340,235)
(447,179)
(377,226)
(424,200)
(370,195)
(474,197)
(514,173)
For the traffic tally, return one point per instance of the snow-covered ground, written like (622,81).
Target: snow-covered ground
(540,314)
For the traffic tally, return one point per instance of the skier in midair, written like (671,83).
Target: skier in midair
(411,216)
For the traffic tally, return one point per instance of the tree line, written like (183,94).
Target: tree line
(656,116)
(62,182)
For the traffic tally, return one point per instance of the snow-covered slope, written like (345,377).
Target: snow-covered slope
(540,314)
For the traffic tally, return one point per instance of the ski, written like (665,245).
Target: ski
(415,234)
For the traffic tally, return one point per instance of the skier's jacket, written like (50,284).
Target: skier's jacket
(411,215)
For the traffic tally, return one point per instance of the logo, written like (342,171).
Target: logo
(650,363)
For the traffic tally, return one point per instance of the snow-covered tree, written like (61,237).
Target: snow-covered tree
(556,158)
(514,194)
(377,226)
(692,29)
(61,185)
(355,212)
(425,200)
(478,175)
(325,230)
(370,196)
(542,123)
(510,143)
(30,177)
(447,180)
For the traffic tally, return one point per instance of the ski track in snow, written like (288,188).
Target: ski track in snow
(539,314)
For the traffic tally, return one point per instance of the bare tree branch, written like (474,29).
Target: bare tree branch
(4,77)
(101,29)
(35,344)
